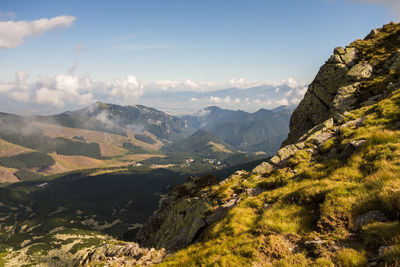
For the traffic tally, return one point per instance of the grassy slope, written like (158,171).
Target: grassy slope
(318,200)
(9,149)
(110,144)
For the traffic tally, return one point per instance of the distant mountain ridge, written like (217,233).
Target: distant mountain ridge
(263,130)
(117,119)
(252,98)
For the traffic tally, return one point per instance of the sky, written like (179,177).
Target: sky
(66,54)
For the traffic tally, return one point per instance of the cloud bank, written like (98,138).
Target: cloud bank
(12,33)
(70,91)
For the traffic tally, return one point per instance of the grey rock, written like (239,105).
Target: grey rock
(383,249)
(354,123)
(344,99)
(123,253)
(360,71)
(220,212)
(287,151)
(254,191)
(351,147)
(368,103)
(371,216)
(318,246)
(275,160)
(319,139)
(332,153)
(391,87)
(264,167)
(372,34)
(394,62)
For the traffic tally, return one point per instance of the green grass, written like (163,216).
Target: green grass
(321,199)
(350,258)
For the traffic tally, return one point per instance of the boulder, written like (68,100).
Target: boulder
(264,167)
(369,217)
(221,211)
(123,254)
(354,123)
(360,71)
(351,147)
(321,138)
(175,226)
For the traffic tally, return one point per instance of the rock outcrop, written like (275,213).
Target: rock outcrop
(324,199)
(333,91)
(123,254)
(184,214)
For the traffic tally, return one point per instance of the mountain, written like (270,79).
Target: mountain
(329,197)
(263,130)
(105,136)
(199,141)
(253,98)
(118,119)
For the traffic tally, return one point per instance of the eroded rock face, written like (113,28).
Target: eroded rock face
(333,92)
(175,226)
(183,215)
(123,254)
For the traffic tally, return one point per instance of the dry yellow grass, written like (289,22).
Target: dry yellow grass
(8,149)
(218,147)
(110,144)
(71,163)
(7,175)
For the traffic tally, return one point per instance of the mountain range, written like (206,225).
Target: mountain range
(328,197)
(106,135)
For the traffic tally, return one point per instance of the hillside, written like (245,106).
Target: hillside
(32,150)
(117,119)
(263,130)
(330,196)
(104,136)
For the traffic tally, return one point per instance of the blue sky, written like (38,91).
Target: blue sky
(208,41)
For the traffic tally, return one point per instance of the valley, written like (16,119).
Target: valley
(200,133)
(75,180)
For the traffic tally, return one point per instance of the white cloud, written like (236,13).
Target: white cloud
(58,90)
(219,100)
(5,87)
(12,33)
(72,91)
(190,85)
(167,85)
(22,96)
(127,90)
(47,96)
(282,102)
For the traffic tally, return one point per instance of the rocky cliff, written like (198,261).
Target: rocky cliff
(329,197)
(341,82)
